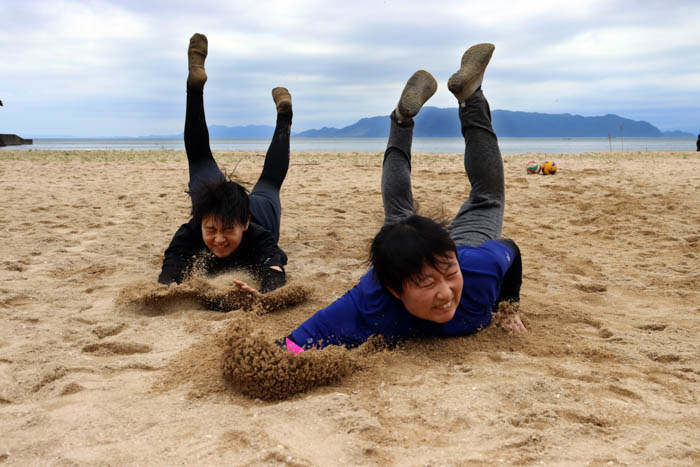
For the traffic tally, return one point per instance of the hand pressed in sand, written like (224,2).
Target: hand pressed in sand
(512,323)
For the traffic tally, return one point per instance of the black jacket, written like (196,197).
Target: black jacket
(257,253)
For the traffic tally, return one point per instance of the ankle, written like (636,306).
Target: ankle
(285,118)
(196,80)
(476,96)
(197,90)
(400,119)
(402,122)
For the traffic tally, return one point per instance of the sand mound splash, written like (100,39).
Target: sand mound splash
(236,357)
(151,298)
(258,368)
(235,299)
(219,295)
(198,366)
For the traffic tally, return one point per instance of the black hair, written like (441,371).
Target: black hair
(226,200)
(401,249)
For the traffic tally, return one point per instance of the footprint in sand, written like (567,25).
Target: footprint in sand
(109,330)
(71,388)
(13,266)
(623,392)
(105,349)
(49,376)
(653,327)
(14,300)
(663,358)
(591,288)
(584,418)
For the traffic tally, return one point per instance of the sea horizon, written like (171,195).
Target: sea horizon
(435,145)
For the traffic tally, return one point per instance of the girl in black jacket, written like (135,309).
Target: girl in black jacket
(230,227)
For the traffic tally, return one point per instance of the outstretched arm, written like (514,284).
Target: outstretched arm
(268,259)
(364,311)
(177,256)
(510,289)
(337,324)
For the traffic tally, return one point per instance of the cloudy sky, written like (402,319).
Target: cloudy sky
(111,68)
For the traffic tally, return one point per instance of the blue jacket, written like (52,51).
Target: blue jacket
(368,309)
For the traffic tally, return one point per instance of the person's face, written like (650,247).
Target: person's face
(436,293)
(220,241)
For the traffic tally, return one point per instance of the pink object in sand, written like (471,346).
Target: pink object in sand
(292,347)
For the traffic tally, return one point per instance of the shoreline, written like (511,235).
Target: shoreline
(172,155)
(420,145)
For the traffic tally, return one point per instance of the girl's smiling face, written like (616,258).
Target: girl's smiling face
(221,241)
(435,293)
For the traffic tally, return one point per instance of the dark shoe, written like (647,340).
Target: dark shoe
(283,100)
(470,75)
(196,54)
(419,88)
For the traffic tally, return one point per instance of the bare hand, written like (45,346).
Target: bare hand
(246,288)
(512,323)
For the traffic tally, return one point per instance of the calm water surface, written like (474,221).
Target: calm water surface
(429,145)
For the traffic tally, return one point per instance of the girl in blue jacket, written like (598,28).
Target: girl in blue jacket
(426,278)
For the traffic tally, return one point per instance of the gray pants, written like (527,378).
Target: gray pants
(481,216)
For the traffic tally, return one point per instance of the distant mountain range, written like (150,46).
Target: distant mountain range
(439,122)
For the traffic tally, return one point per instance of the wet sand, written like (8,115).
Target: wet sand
(99,364)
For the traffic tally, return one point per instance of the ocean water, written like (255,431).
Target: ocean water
(427,145)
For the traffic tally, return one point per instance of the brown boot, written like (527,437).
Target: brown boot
(196,54)
(283,100)
(419,88)
(471,73)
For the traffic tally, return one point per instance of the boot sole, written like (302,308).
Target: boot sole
(419,88)
(474,63)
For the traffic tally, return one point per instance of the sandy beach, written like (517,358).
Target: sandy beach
(100,365)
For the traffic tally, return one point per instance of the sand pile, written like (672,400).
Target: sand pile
(243,358)
(218,294)
(258,368)
(198,367)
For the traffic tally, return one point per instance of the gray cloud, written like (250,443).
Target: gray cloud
(91,68)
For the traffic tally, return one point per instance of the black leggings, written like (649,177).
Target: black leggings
(265,205)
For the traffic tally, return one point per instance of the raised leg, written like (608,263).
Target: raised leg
(396,169)
(202,166)
(265,204)
(480,218)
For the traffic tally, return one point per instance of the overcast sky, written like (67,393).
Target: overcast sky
(112,68)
